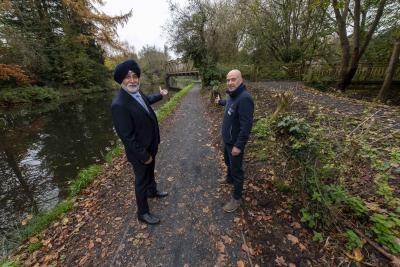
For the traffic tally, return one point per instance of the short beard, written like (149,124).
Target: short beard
(131,88)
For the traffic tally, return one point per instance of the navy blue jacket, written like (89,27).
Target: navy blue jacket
(137,128)
(238,117)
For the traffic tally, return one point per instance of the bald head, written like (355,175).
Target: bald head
(234,79)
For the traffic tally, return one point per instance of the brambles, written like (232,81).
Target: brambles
(329,167)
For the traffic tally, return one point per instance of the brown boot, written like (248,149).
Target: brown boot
(232,205)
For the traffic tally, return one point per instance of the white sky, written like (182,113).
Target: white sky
(145,25)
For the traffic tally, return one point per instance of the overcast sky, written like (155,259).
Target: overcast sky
(145,25)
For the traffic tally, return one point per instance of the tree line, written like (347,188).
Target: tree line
(57,43)
(274,33)
(64,44)
(72,44)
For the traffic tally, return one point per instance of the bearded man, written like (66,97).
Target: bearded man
(136,125)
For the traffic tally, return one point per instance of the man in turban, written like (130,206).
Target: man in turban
(136,125)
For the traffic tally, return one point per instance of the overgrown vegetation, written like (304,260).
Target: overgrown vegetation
(340,175)
(30,94)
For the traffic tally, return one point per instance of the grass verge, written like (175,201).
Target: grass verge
(166,109)
(84,178)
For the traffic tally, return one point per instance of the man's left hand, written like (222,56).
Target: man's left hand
(236,151)
(163,92)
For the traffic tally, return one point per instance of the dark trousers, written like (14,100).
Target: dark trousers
(235,172)
(144,184)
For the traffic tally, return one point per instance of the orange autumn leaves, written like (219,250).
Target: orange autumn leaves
(11,72)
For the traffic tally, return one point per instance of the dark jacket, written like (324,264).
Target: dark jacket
(238,117)
(137,128)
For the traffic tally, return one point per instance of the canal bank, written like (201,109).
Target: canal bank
(103,229)
(60,146)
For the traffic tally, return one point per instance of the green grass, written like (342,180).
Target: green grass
(166,109)
(114,152)
(35,246)
(41,221)
(84,178)
(7,263)
(281,186)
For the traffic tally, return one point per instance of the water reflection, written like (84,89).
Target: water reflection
(41,150)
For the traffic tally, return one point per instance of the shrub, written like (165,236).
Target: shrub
(28,94)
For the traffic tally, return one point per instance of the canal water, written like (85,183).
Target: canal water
(42,149)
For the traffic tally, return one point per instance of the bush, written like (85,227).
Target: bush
(12,96)
(301,142)
(212,73)
(262,128)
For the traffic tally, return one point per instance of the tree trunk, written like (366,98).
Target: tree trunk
(349,69)
(344,42)
(394,59)
(347,78)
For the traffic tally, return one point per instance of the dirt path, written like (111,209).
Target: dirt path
(103,230)
(192,218)
(339,106)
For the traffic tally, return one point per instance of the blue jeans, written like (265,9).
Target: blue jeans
(235,172)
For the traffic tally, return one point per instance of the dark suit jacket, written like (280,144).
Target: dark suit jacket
(137,128)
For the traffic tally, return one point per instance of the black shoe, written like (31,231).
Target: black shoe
(158,194)
(225,180)
(148,218)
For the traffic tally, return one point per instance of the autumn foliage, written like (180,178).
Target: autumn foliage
(69,39)
(14,73)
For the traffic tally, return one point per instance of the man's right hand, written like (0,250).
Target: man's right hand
(217,99)
(149,160)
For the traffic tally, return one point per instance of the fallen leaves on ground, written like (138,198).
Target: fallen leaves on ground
(293,239)
(357,255)
(280,261)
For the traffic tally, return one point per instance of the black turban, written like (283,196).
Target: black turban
(121,70)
